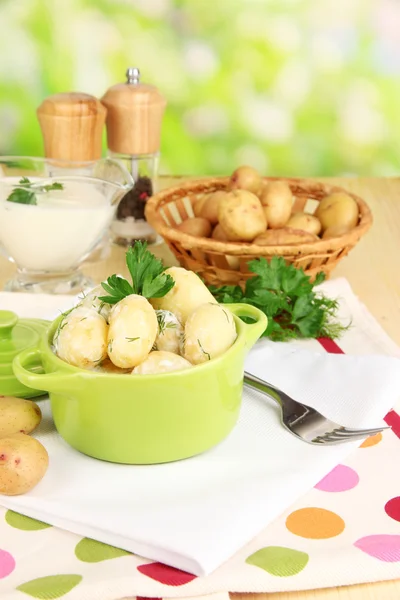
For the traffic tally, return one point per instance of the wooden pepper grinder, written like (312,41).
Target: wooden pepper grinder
(134,118)
(72,125)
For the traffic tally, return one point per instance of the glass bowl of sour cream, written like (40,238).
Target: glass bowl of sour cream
(53,215)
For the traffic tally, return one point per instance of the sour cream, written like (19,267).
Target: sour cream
(57,233)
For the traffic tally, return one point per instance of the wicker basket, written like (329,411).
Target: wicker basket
(225,263)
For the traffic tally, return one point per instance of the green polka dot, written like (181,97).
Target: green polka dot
(25,523)
(48,588)
(92,551)
(279,561)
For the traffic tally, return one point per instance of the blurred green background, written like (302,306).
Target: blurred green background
(293,87)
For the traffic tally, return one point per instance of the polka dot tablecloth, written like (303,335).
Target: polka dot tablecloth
(345,530)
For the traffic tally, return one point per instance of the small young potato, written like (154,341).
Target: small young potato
(209,210)
(198,205)
(91,300)
(219,234)
(246,178)
(23,463)
(81,338)
(169,332)
(187,294)
(18,415)
(277,200)
(161,361)
(335,231)
(196,226)
(305,222)
(241,216)
(284,236)
(209,331)
(337,209)
(132,332)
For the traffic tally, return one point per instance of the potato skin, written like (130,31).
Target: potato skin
(188,293)
(284,236)
(209,332)
(169,332)
(161,362)
(219,234)
(198,205)
(132,332)
(91,300)
(209,209)
(241,216)
(246,178)
(18,415)
(277,200)
(23,463)
(305,222)
(81,338)
(196,226)
(337,209)
(335,231)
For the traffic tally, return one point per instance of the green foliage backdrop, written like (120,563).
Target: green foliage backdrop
(294,87)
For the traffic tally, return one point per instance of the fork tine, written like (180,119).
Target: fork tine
(367,431)
(339,435)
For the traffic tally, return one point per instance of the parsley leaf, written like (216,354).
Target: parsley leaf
(21,193)
(147,273)
(288,298)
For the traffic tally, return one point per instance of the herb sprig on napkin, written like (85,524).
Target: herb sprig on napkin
(295,309)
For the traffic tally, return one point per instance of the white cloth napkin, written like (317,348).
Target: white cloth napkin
(196,513)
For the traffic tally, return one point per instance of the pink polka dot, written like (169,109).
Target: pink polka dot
(392,508)
(7,564)
(382,547)
(340,479)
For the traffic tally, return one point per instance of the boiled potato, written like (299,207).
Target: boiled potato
(335,231)
(209,209)
(23,463)
(337,209)
(169,332)
(284,236)
(81,338)
(196,226)
(161,362)
(187,294)
(198,205)
(18,415)
(91,300)
(277,200)
(246,178)
(132,332)
(209,331)
(241,216)
(305,222)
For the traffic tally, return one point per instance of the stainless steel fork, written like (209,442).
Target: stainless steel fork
(305,422)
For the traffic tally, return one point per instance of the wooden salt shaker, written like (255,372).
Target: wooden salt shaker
(72,126)
(134,118)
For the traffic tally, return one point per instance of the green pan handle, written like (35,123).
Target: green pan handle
(58,381)
(252,330)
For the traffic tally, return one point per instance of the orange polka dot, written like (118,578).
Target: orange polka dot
(315,523)
(372,440)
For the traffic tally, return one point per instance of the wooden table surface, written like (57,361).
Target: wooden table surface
(373,270)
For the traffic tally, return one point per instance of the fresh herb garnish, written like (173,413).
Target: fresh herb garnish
(287,296)
(132,339)
(147,273)
(23,195)
(163,324)
(203,351)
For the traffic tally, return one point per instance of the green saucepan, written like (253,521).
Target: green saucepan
(144,419)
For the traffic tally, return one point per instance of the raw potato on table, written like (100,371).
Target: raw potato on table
(18,415)
(337,209)
(23,463)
